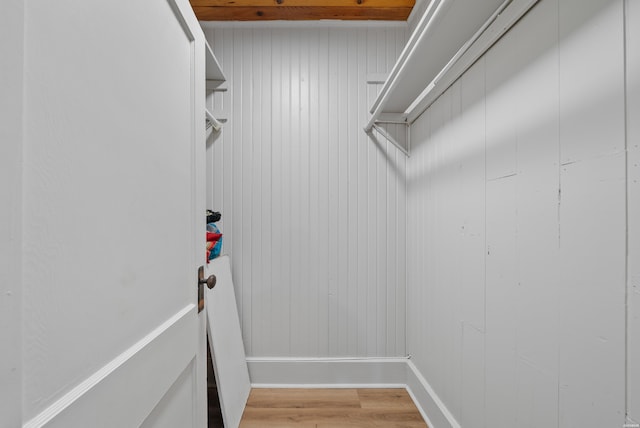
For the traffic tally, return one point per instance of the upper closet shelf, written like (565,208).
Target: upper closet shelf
(214,82)
(213,70)
(450,37)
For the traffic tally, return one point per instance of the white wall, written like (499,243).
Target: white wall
(633,198)
(313,211)
(517,227)
(11,67)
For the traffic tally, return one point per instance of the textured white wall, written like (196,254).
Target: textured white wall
(313,211)
(517,227)
(633,198)
(11,64)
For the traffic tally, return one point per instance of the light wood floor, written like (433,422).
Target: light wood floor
(331,408)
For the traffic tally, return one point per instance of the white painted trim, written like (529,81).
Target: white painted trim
(419,406)
(427,400)
(76,394)
(355,373)
(325,385)
(204,65)
(323,23)
(327,359)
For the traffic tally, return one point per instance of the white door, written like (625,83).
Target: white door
(110,190)
(227,349)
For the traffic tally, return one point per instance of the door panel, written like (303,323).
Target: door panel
(176,407)
(125,392)
(110,210)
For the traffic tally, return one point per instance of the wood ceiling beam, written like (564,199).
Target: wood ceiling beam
(264,10)
(293,13)
(309,3)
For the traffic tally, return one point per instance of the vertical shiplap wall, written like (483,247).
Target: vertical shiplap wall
(517,226)
(313,210)
(633,198)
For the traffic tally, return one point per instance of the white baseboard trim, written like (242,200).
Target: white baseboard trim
(427,400)
(353,373)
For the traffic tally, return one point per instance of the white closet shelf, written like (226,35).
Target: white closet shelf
(215,82)
(450,37)
(213,70)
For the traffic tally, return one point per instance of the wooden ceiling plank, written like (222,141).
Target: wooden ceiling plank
(305,3)
(300,13)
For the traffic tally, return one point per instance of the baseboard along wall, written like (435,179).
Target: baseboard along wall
(353,373)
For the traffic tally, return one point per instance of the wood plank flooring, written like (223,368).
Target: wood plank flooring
(331,408)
